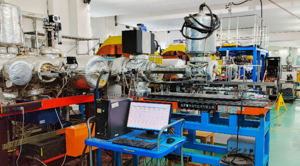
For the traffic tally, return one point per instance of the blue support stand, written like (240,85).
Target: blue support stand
(99,157)
(260,129)
(257,53)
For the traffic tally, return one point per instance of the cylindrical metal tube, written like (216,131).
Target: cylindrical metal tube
(169,70)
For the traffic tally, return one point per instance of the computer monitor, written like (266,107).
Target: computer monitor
(149,116)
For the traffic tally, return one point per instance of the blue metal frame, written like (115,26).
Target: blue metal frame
(162,149)
(260,129)
(257,53)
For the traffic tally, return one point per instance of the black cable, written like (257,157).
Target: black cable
(214,24)
(95,100)
(157,45)
(279,115)
(238,129)
(248,159)
(15,134)
(241,2)
(184,116)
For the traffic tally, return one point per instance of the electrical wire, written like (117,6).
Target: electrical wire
(241,2)
(56,113)
(95,100)
(40,161)
(22,109)
(61,90)
(58,119)
(248,159)
(64,160)
(201,28)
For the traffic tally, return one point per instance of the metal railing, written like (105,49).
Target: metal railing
(238,30)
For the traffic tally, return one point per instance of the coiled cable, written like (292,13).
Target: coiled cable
(214,24)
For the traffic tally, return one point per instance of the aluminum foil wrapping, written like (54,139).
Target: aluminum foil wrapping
(87,72)
(18,70)
(52,56)
(2,63)
(30,53)
(9,56)
(3,50)
(42,64)
(10,25)
(198,46)
(50,50)
(200,59)
(141,63)
(117,66)
(176,63)
(12,50)
(9,96)
(208,70)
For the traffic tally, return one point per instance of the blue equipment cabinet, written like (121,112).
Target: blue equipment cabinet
(259,56)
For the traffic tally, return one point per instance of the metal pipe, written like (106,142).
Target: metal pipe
(181,134)
(76,47)
(221,37)
(90,133)
(244,74)
(91,48)
(88,47)
(229,21)
(168,70)
(237,31)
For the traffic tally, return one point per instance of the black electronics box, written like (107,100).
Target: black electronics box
(273,66)
(111,118)
(137,42)
(46,148)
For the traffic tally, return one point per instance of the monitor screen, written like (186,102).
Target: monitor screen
(149,116)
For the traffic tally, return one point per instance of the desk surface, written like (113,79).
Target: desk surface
(165,148)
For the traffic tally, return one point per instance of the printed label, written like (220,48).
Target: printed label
(42,121)
(232,110)
(114,105)
(222,109)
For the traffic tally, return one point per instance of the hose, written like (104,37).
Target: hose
(241,2)
(95,100)
(214,24)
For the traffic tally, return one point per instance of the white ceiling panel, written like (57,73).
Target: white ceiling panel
(103,8)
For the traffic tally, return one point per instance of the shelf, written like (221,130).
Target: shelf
(64,36)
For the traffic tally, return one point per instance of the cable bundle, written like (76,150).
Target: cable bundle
(214,24)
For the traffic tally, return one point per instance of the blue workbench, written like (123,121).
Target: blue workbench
(260,129)
(158,152)
(257,53)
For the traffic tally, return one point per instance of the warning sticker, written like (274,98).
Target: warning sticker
(102,82)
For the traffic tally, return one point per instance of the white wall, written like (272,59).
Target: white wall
(74,14)
(34,6)
(103,27)
(165,39)
(284,52)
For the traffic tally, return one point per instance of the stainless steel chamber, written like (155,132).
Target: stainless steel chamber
(88,69)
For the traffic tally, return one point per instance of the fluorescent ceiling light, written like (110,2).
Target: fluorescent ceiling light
(285,51)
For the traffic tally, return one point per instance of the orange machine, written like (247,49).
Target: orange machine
(175,52)
(75,139)
(112,46)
